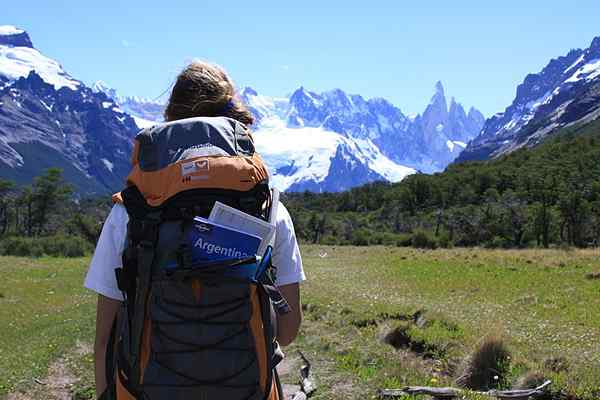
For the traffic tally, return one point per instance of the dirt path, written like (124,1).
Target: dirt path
(56,386)
(59,383)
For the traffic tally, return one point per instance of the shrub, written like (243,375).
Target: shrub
(444,240)
(56,246)
(498,242)
(487,367)
(361,237)
(404,240)
(423,240)
(386,238)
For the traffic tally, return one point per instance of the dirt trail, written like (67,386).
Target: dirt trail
(60,381)
(56,386)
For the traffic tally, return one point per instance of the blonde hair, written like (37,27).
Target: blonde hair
(203,89)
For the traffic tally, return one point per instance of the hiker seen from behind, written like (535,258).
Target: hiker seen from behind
(197,269)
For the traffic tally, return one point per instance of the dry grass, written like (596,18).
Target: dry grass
(487,367)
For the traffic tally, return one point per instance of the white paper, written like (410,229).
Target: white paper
(274,205)
(234,218)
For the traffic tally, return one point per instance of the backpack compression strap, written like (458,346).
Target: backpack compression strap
(134,279)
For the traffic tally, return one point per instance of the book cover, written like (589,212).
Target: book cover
(211,241)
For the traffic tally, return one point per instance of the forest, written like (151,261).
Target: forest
(547,196)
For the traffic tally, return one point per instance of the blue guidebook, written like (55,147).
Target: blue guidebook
(214,242)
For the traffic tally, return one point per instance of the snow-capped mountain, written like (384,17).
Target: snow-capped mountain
(145,112)
(326,141)
(565,93)
(50,119)
(333,141)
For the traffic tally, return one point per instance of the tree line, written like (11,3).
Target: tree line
(545,196)
(47,218)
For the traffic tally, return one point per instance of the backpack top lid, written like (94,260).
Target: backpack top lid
(194,153)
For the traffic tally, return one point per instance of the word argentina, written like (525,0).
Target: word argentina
(212,248)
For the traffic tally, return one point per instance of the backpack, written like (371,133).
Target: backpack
(193,331)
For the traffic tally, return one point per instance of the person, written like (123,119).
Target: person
(201,90)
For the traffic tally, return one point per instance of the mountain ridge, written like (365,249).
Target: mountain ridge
(565,92)
(48,119)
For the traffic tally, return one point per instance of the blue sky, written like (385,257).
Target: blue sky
(398,49)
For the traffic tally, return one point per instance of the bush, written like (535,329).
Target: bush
(423,240)
(498,242)
(487,367)
(56,246)
(444,240)
(385,238)
(361,237)
(404,240)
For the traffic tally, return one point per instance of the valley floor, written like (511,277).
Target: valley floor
(544,304)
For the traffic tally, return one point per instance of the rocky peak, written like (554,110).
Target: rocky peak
(248,91)
(595,46)
(12,36)
(476,116)
(102,87)
(439,88)
(456,110)
(438,101)
(301,95)
(436,113)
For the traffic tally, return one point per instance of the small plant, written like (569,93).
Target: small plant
(423,240)
(530,380)
(593,275)
(487,367)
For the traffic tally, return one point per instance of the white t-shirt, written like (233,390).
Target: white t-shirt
(107,256)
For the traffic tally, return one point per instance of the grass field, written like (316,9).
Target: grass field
(544,304)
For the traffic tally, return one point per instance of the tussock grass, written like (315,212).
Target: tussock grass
(487,367)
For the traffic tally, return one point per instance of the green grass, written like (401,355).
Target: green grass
(539,301)
(44,311)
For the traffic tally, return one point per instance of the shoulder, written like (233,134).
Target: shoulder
(118,215)
(283,215)
(283,221)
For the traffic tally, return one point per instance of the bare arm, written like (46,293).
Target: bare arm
(289,324)
(106,311)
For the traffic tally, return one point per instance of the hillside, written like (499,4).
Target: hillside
(542,196)
(49,119)
(564,94)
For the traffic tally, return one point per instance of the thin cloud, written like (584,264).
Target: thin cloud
(126,43)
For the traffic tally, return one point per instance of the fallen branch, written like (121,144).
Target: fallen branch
(307,385)
(450,393)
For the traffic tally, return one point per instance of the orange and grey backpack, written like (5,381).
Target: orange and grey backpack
(193,331)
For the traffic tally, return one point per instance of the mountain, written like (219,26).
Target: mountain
(565,93)
(357,140)
(50,119)
(333,141)
(145,112)
(329,141)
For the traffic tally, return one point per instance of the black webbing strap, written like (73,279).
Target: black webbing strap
(145,257)
(267,278)
(279,302)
